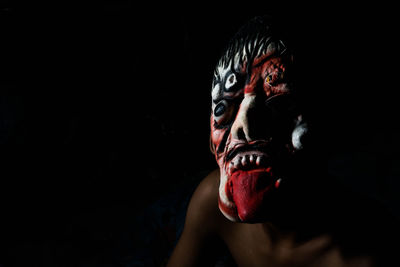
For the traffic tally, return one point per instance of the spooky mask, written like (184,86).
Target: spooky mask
(256,125)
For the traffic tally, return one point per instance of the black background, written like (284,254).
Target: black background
(105,108)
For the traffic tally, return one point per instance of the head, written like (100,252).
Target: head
(257,125)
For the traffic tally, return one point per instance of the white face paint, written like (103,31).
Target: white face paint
(216,91)
(223,70)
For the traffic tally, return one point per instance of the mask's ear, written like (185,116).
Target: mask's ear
(299,132)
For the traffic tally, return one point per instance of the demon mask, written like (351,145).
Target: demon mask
(256,123)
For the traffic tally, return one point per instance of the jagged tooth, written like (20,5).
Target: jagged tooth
(237,162)
(258,160)
(251,158)
(244,160)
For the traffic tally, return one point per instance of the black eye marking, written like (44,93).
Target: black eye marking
(232,81)
(219,109)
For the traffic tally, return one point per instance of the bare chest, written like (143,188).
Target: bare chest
(250,247)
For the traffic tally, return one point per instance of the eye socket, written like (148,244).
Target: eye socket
(223,113)
(268,79)
(219,109)
(273,78)
(231,80)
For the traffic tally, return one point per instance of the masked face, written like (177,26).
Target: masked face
(256,128)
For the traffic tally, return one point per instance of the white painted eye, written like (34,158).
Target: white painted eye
(230,81)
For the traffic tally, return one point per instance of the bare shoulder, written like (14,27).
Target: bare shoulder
(204,204)
(201,225)
(207,190)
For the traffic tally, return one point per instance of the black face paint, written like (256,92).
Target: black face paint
(219,110)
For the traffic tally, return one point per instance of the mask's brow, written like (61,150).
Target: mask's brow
(263,60)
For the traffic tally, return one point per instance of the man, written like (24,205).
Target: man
(269,202)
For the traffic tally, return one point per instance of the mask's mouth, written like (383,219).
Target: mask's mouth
(249,160)
(257,147)
(246,157)
(251,178)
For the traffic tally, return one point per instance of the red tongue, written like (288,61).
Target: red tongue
(249,189)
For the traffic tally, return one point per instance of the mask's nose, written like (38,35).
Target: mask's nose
(253,120)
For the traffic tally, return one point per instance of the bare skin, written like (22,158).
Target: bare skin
(261,244)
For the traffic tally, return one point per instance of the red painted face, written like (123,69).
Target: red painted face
(254,131)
